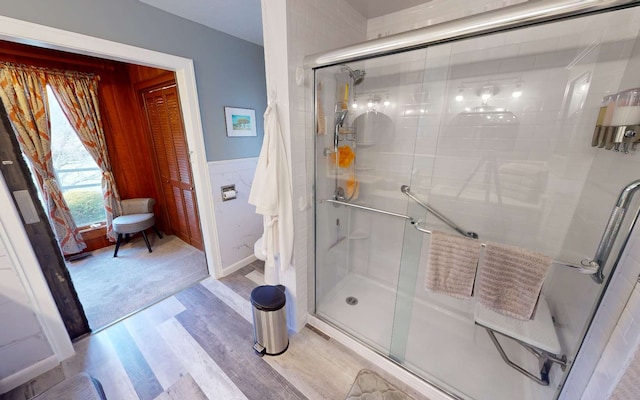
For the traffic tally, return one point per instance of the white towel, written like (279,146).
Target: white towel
(271,193)
(510,280)
(452,264)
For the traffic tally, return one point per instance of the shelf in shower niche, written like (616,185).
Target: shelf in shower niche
(363,168)
(365,144)
(359,235)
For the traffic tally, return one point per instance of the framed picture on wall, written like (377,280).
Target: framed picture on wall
(240,121)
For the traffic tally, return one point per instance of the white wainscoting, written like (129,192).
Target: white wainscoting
(238,224)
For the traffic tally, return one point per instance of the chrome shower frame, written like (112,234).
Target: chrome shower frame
(503,19)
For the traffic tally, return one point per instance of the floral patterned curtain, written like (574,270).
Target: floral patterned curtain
(78,96)
(23,93)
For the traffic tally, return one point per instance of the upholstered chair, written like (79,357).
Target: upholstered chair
(137,216)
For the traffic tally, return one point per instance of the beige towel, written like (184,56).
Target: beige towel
(452,264)
(510,279)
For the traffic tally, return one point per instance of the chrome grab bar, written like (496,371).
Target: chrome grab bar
(611,231)
(416,224)
(344,203)
(407,190)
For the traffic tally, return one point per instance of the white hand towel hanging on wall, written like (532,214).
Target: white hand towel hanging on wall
(271,193)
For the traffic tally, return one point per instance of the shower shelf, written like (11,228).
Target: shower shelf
(365,144)
(363,168)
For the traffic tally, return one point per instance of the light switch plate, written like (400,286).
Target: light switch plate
(26,207)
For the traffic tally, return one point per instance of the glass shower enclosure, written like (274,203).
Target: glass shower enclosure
(489,137)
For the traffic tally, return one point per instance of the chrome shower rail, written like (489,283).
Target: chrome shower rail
(407,190)
(584,269)
(517,16)
(612,230)
(344,203)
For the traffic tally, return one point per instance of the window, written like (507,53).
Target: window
(79,176)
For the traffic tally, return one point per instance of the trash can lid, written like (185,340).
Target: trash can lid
(268,298)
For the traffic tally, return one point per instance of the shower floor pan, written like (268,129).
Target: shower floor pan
(443,347)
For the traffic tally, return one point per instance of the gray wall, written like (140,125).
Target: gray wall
(229,71)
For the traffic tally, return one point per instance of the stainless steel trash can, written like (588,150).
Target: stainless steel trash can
(269,320)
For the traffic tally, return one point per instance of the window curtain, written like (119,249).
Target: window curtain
(23,93)
(78,96)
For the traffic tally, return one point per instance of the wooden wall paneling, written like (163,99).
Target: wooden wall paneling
(140,73)
(127,141)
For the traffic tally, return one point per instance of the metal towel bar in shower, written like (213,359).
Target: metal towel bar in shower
(611,231)
(585,269)
(407,190)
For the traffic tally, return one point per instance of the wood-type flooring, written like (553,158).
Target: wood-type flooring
(198,343)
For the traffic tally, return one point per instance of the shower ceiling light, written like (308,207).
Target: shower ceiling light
(487,92)
(354,105)
(460,95)
(517,92)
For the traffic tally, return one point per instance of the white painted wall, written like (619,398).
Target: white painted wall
(238,224)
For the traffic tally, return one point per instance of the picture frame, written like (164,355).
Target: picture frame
(241,122)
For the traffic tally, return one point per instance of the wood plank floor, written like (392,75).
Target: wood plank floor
(197,344)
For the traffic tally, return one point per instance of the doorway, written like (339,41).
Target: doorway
(196,181)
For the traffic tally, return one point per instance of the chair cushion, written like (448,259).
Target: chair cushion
(133,223)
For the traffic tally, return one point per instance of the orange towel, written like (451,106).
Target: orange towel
(353,187)
(345,156)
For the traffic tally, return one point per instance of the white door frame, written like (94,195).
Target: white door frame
(43,36)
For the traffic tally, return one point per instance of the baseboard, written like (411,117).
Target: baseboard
(240,264)
(388,366)
(21,377)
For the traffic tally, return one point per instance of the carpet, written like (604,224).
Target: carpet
(371,386)
(110,288)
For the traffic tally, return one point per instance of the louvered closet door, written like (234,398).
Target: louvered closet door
(167,130)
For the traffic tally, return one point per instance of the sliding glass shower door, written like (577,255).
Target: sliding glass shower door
(494,135)
(361,156)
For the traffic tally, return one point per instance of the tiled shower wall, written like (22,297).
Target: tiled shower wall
(624,339)
(309,27)
(430,13)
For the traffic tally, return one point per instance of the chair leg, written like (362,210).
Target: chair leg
(127,238)
(146,240)
(157,232)
(118,241)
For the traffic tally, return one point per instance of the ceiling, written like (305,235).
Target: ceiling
(239,18)
(243,18)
